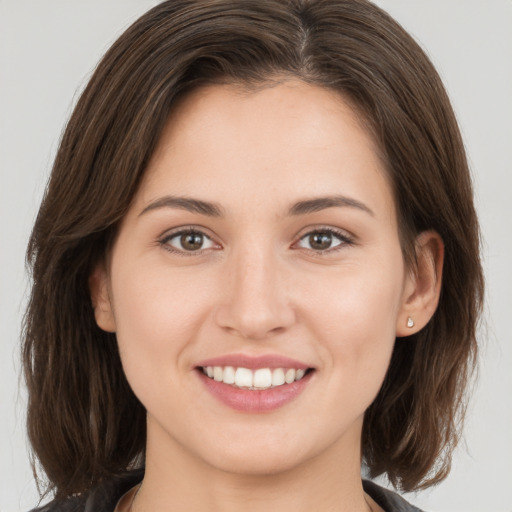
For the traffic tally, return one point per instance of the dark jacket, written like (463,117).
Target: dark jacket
(105,496)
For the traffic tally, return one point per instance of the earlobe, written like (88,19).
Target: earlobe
(101,301)
(423,285)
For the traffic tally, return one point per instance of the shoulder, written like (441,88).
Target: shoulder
(102,498)
(388,500)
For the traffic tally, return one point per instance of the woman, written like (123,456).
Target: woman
(255,268)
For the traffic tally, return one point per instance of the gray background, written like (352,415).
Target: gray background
(47,51)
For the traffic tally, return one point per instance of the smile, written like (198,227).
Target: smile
(254,379)
(255,384)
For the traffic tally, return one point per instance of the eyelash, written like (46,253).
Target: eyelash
(164,241)
(342,236)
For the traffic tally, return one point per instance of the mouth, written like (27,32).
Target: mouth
(254,379)
(255,384)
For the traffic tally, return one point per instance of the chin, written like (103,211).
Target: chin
(258,455)
(256,464)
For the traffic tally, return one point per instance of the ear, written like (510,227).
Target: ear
(100,297)
(422,286)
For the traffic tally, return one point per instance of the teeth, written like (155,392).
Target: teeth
(229,375)
(218,373)
(262,378)
(289,376)
(278,377)
(243,378)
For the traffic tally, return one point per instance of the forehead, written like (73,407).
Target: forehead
(289,136)
(261,111)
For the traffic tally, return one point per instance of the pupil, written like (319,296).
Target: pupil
(320,241)
(191,241)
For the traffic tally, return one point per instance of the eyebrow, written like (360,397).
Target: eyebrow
(185,203)
(214,210)
(322,203)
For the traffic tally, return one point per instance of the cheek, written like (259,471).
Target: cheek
(354,329)
(157,317)
(354,319)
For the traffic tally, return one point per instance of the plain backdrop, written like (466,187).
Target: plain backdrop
(48,49)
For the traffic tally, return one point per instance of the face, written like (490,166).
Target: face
(262,249)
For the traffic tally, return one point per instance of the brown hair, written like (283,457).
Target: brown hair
(84,422)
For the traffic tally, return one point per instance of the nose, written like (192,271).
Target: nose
(255,300)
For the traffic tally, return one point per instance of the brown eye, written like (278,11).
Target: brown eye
(320,241)
(188,241)
(192,241)
(324,240)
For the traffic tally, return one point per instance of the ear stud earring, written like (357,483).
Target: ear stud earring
(410,322)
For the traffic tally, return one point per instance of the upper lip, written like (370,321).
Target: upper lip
(254,362)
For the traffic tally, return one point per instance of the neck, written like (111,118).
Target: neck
(177,480)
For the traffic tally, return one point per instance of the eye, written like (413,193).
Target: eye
(188,241)
(322,240)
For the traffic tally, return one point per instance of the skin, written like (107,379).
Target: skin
(257,286)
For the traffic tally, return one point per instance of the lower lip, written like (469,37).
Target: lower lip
(255,401)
